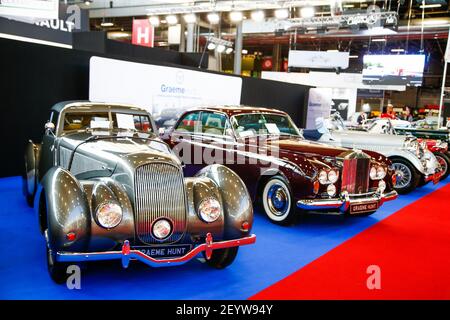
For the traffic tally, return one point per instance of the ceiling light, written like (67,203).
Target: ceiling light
(213,18)
(87,2)
(236,16)
(428,6)
(190,18)
(378,40)
(348,6)
(244,51)
(258,15)
(229,50)
(106,24)
(307,12)
(398,50)
(211,46)
(172,19)
(154,21)
(221,48)
(281,14)
(353,57)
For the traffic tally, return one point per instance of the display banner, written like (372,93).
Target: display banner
(143,33)
(163,91)
(319,105)
(318,59)
(29,10)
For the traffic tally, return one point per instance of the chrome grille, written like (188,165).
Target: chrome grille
(159,193)
(355,175)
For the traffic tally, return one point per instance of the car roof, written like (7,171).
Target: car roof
(60,106)
(237,110)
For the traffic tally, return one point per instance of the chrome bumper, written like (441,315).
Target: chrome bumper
(127,253)
(343,204)
(434,177)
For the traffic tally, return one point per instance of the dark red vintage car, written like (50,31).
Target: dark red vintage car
(282,171)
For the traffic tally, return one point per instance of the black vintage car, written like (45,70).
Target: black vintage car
(104,186)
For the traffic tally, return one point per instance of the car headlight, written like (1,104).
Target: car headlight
(109,215)
(373,173)
(162,229)
(209,210)
(381,173)
(333,176)
(323,177)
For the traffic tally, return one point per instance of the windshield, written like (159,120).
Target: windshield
(82,121)
(248,125)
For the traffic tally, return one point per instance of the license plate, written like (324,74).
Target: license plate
(165,251)
(363,207)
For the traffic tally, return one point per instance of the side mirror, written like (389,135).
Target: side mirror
(50,126)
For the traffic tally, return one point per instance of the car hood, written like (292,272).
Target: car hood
(350,138)
(300,145)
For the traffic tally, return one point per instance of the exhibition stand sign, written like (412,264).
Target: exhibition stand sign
(163,91)
(319,105)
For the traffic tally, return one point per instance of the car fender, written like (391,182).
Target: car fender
(32,152)
(412,158)
(237,204)
(67,210)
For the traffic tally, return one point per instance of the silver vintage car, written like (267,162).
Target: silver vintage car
(106,187)
(413,164)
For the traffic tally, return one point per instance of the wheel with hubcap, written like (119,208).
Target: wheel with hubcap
(444,161)
(407,176)
(277,201)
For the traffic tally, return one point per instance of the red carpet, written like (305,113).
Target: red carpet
(411,247)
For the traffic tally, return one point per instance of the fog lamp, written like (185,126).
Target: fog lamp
(109,215)
(331,190)
(209,210)
(381,186)
(162,229)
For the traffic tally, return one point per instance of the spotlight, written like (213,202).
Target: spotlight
(190,18)
(172,19)
(154,21)
(229,50)
(398,50)
(258,16)
(88,2)
(307,12)
(221,48)
(244,51)
(213,18)
(281,14)
(106,24)
(236,16)
(211,46)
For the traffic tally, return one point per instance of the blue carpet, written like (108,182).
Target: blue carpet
(279,251)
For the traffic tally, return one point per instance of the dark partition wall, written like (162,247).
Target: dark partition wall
(34,77)
(290,98)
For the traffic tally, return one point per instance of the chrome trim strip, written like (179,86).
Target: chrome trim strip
(126,254)
(345,201)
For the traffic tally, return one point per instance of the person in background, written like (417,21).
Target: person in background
(408,114)
(388,112)
(362,117)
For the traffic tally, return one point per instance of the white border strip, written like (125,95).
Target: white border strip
(25,39)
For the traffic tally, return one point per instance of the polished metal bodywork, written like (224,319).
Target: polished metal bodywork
(72,173)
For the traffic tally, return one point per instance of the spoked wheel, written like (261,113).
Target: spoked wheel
(444,161)
(277,201)
(407,177)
